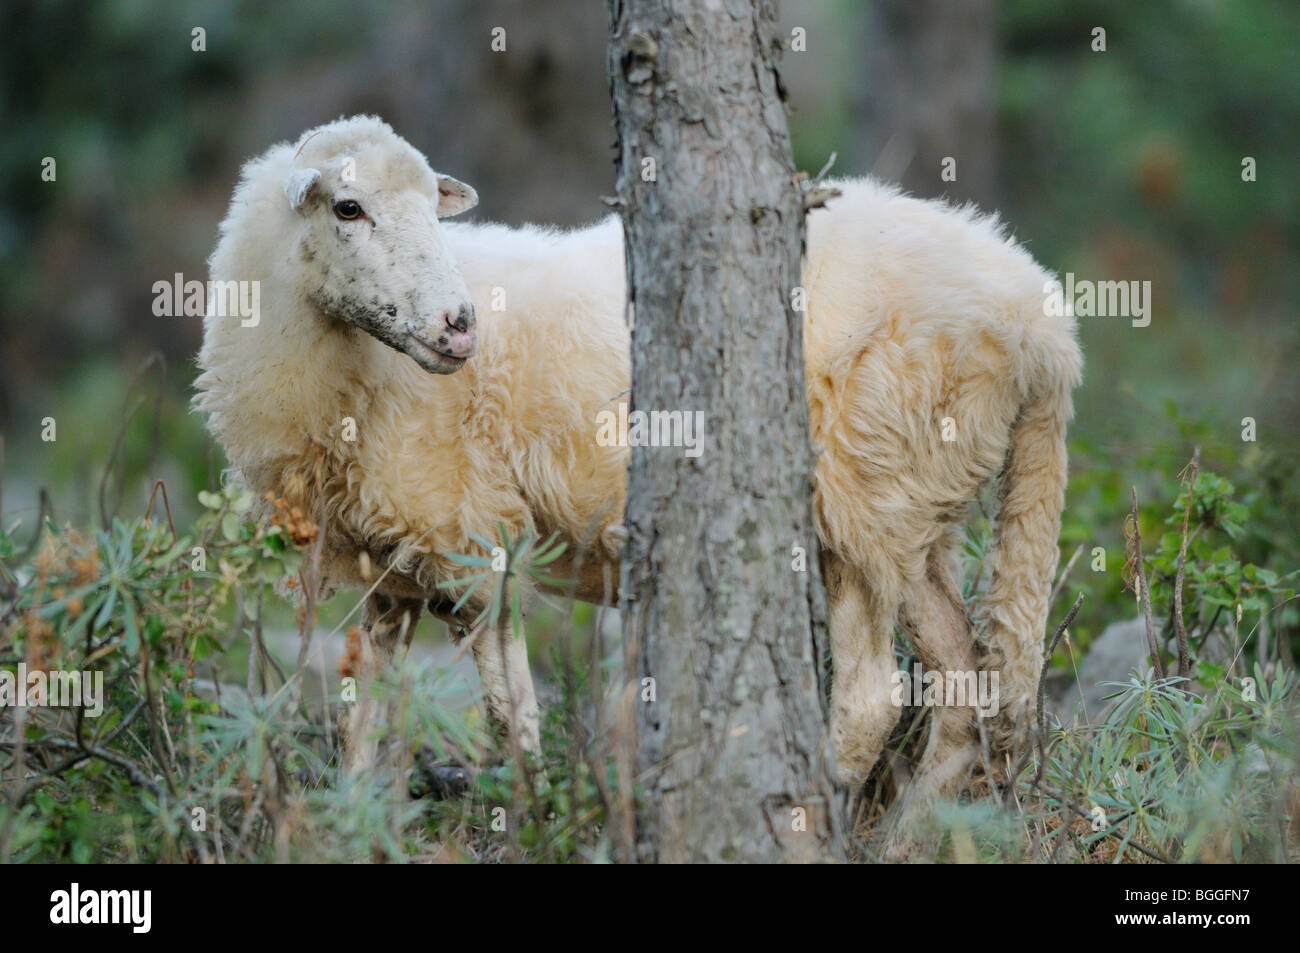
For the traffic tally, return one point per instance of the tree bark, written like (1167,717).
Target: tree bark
(728,638)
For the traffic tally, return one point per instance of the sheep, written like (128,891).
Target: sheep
(932,370)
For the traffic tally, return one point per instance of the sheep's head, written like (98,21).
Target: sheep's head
(372,253)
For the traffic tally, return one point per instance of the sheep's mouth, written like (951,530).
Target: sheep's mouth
(429,357)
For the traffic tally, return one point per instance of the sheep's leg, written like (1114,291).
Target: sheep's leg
(387,630)
(502,659)
(944,639)
(862,651)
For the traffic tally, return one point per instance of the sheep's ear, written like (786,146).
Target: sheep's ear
(300,185)
(454,196)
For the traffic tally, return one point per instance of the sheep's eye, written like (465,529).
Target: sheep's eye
(347,209)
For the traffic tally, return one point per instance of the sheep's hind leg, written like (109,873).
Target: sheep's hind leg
(940,628)
(387,630)
(862,651)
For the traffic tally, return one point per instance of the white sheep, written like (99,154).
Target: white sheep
(932,369)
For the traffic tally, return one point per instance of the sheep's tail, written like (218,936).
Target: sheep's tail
(1031,494)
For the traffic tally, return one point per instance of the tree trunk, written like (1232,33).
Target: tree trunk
(728,638)
(927,96)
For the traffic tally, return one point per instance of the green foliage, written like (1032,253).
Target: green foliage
(510,560)
(1243,547)
(1214,579)
(139,606)
(1193,770)
(1182,769)
(1190,777)
(177,770)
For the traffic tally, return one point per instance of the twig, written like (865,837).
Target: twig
(1042,684)
(1112,831)
(1065,574)
(105,515)
(134,773)
(813,193)
(1184,655)
(46,512)
(167,507)
(1144,595)
(81,755)
(153,721)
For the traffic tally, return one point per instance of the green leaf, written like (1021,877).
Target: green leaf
(477,581)
(174,553)
(153,628)
(549,556)
(230,527)
(106,611)
(482,541)
(132,633)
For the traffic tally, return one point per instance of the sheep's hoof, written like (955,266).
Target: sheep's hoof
(900,849)
(440,781)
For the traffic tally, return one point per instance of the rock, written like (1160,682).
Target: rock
(1113,655)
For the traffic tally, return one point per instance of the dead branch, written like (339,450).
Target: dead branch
(1184,654)
(1139,579)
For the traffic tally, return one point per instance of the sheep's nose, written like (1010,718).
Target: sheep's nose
(463,320)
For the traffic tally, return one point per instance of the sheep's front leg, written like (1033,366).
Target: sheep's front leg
(502,660)
(387,630)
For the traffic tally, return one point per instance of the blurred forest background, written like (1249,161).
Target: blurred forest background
(1123,164)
